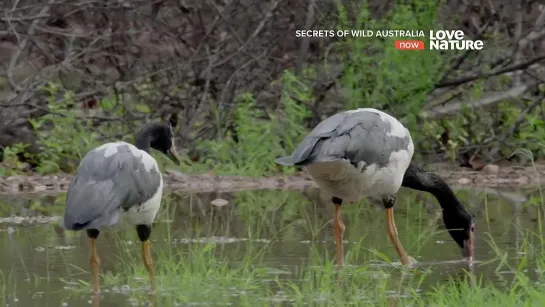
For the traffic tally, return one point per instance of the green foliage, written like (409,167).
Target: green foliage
(252,153)
(11,164)
(293,113)
(378,75)
(532,135)
(64,137)
(260,135)
(69,137)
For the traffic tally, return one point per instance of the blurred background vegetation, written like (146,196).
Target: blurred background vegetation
(243,89)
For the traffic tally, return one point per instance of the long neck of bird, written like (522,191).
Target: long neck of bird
(143,140)
(418,179)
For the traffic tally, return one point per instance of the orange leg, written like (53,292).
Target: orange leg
(148,262)
(392,232)
(94,260)
(338,231)
(96,299)
(95,265)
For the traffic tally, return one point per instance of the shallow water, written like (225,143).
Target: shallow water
(42,265)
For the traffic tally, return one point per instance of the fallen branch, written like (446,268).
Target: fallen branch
(175,181)
(486,101)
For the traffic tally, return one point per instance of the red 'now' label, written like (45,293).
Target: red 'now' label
(409,45)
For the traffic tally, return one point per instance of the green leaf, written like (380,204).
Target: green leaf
(142,108)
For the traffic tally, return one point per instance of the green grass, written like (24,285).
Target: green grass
(204,274)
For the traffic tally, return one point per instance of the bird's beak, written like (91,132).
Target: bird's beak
(173,154)
(467,250)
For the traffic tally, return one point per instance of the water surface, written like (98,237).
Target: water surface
(290,233)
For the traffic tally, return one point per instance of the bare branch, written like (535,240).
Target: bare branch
(461,59)
(491,74)
(305,43)
(522,43)
(14,87)
(272,7)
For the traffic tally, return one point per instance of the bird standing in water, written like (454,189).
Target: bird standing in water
(367,153)
(120,177)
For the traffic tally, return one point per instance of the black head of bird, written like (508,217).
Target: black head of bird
(461,227)
(159,136)
(459,222)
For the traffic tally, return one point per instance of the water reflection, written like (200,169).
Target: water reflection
(46,263)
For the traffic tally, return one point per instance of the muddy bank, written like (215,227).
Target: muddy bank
(510,176)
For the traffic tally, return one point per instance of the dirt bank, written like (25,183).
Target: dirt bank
(506,176)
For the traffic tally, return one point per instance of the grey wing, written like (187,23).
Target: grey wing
(304,150)
(103,185)
(355,136)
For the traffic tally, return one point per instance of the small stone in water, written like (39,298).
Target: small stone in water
(125,289)
(64,304)
(65,247)
(219,202)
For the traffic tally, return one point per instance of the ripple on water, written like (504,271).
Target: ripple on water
(28,220)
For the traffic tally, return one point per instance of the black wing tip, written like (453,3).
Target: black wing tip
(74,226)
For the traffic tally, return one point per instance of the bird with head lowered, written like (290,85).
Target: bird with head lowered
(117,178)
(367,153)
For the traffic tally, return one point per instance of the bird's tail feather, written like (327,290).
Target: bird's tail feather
(303,154)
(74,226)
(286,161)
(91,206)
(103,221)
(80,226)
